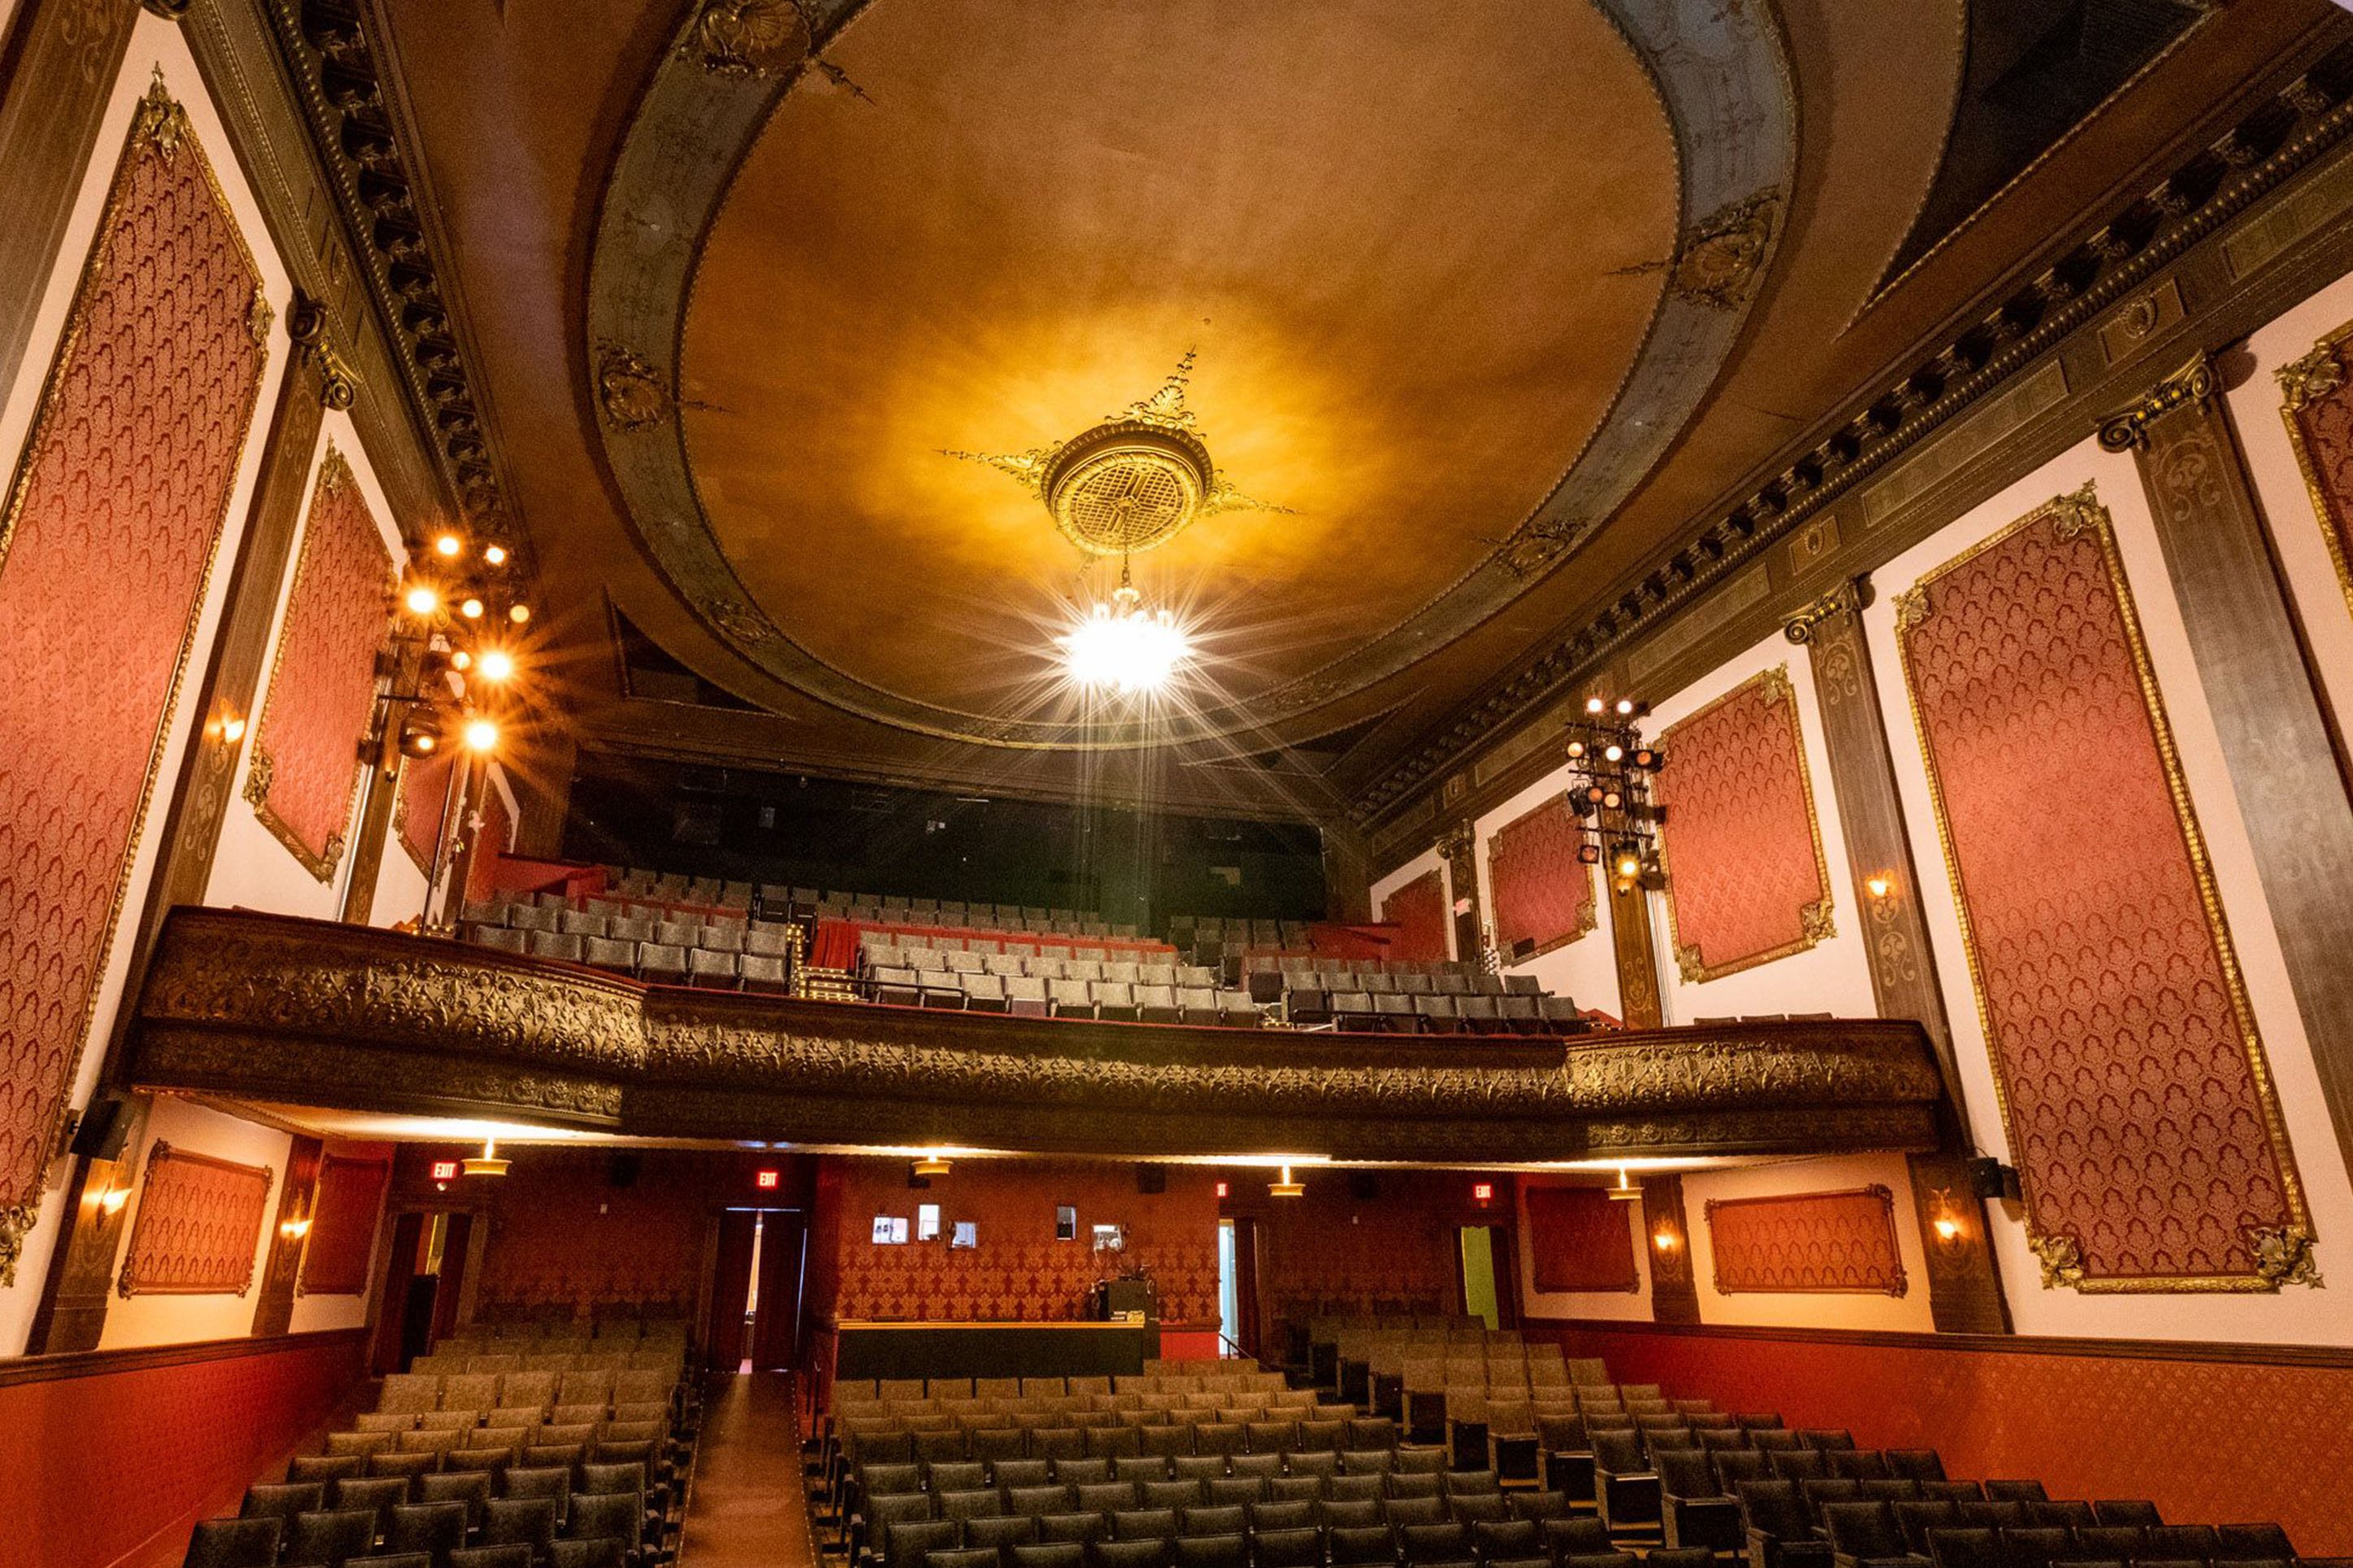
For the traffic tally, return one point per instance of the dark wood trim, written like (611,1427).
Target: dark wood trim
(1347,874)
(1675,1289)
(147,1358)
(78,1287)
(1639,1004)
(2268,706)
(1458,848)
(373,834)
(2219,1351)
(63,59)
(298,1201)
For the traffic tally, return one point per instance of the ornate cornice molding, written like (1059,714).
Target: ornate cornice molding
(1722,79)
(2280,137)
(307,1012)
(337,78)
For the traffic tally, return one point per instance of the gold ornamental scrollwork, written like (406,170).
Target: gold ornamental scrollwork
(1850,597)
(2062,1260)
(629,391)
(1717,261)
(763,38)
(2193,383)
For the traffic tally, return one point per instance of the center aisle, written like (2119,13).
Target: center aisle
(748,1509)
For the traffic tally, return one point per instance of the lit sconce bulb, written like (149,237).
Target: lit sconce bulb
(1879,885)
(1664,1239)
(1595,705)
(471,609)
(496,664)
(519,613)
(295,1229)
(1629,868)
(495,554)
(449,546)
(421,600)
(113,1199)
(481,735)
(232,729)
(1947,1228)
(1575,749)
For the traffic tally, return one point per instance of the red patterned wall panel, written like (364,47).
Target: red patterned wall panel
(111,528)
(1419,912)
(2317,403)
(111,1468)
(1018,1272)
(1542,894)
(1331,1253)
(2209,1441)
(1580,1238)
(2124,1047)
(424,791)
(343,1226)
(1747,882)
(198,1224)
(496,837)
(1806,1242)
(306,768)
(563,1234)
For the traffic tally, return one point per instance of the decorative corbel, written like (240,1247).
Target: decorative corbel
(2193,383)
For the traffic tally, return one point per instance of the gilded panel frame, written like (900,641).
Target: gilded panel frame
(1897,1285)
(335,473)
(2302,382)
(2284,1256)
(159,128)
(1588,918)
(1816,920)
(128,1283)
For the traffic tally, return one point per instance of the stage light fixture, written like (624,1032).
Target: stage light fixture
(480,735)
(471,609)
(494,555)
(496,664)
(421,599)
(519,613)
(449,546)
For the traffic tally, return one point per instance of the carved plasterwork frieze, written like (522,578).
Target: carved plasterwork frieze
(1722,254)
(322,1013)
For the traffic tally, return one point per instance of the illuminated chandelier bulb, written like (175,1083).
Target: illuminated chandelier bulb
(1122,647)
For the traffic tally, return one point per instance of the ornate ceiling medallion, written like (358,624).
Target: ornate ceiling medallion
(1135,481)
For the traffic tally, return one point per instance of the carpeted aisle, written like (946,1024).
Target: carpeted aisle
(748,1509)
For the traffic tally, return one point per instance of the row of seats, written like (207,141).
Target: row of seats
(1487,1013)
(471,1390)
(1026,996)
(1045,962)
(1184,930)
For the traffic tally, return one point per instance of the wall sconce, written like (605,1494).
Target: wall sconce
(113,1199)
(295,1229)
(1626,1192)
(228,729)
(1665,1240)
(1946,1220)
(933,1164)
(486,1164)
(1880,885)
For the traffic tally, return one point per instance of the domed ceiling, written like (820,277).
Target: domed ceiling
(1416,263)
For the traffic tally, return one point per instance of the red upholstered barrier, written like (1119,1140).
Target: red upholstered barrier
(2210,1435)
(108,1458)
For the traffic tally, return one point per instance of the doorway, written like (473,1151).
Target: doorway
(1479,1275)
(1238,1309)
(425,1277)
(755,1291)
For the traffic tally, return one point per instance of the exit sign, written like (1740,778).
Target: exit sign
(445,1170)
(766,1180)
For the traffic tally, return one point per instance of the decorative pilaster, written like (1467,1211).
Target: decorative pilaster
(298,1200)
(1347,876)
(1639,1002)
(1459,847)
(2267,706)
(1666,1242)
(1964,1287)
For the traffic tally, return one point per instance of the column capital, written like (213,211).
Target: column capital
(1849,598)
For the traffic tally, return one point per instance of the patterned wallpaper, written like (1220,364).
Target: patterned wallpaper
(1418,910)
(1541,894)
(562,1232)
(2139,1112)
(2212,1442)
(417,821)
(197,1226)
(1747,882)
(1331,1252)
(342,1225)
(113,525)
(1580,1238)
(496,835)
(1806,1242)
(1018,1271)
(306,762)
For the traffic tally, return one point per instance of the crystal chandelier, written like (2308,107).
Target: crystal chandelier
(1124,649)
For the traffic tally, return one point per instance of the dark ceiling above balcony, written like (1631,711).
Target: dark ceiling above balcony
(1498,299)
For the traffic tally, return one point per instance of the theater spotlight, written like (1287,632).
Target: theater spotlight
(1576,749)
(421,599)
(480,735)
(421,734)
(496,664)
(471,609)
(1646,758)
(494,555)
(449,546)
(1588,854)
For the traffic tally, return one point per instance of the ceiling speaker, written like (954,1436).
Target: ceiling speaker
(1152,1180)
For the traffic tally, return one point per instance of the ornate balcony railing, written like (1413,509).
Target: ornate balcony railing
(268,1009)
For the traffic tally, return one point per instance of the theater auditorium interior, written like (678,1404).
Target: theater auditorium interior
(1176,783)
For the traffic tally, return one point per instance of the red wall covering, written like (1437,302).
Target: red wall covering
(496,837)
(1419,912)
(306,761)
(197,1226)
(111,1468)
(1018,1271)
(1743,854)
(1332,1253)
(1542,894)
(1807,1241)
(563,1233)
(1580,1238)
(111,528)
(2121,1040)
(2212,1442)
(424,790)
(342,1225)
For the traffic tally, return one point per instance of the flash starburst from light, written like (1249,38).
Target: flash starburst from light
(1122,647)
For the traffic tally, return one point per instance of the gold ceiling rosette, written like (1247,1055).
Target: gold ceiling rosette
(1133,481)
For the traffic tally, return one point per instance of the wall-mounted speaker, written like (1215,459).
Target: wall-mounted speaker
(102,1131)
(919,1183)
(1152,1180)
(1991,1180)
(623,1169)
(1364,1186)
